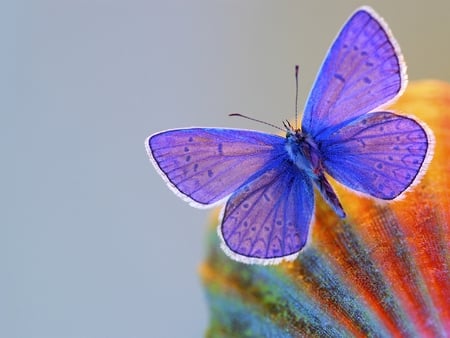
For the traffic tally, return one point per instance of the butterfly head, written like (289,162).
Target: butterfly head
(293,134)
(289,128)
(302,150)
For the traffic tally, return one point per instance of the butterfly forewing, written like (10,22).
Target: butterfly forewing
(380,154)
(268,218)
(207,164)
(363,70)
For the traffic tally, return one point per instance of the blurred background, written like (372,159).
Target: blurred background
(92,243)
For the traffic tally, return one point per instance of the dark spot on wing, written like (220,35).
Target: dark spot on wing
(339,77)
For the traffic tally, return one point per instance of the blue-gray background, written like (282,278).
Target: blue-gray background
(92,243)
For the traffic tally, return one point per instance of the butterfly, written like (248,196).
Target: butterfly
(268,180)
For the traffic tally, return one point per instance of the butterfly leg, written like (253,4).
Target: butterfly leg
(328,194)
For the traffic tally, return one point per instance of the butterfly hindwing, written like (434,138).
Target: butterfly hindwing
(363,70)
(380,154)
(204,165)
(268,218)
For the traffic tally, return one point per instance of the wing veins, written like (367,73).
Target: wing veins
(365,73)
(353,82)
(273,229)
(213,148)
(262,226)
(390,164)
(215,176)
(339,63)
(253,205)
(381,173)
(376,136)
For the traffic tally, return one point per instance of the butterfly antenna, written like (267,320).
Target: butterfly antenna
(296,96)
(288,126)
(256,120)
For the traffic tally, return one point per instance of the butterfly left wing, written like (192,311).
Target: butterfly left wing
(380,154)
(267,219)
(205,165)
(363,70)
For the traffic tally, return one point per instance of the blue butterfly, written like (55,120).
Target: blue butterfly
(267,180)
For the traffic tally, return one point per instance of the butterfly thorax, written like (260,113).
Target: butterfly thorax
(303,152)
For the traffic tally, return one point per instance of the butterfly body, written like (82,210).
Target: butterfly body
(267,180)
(305,154)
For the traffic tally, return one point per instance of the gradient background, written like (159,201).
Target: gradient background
(92,243)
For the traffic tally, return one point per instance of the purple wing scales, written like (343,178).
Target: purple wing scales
(205,165)
(381,154)
(267,220)
(363,70)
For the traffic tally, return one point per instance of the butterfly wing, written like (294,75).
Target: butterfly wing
(267,219)
(363,70)
(380,154)
(205,165)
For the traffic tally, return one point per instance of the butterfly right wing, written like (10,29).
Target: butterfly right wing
(267,220)
(363,70)
(205,165)
(381,154)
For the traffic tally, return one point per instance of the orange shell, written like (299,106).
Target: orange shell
(382,271)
